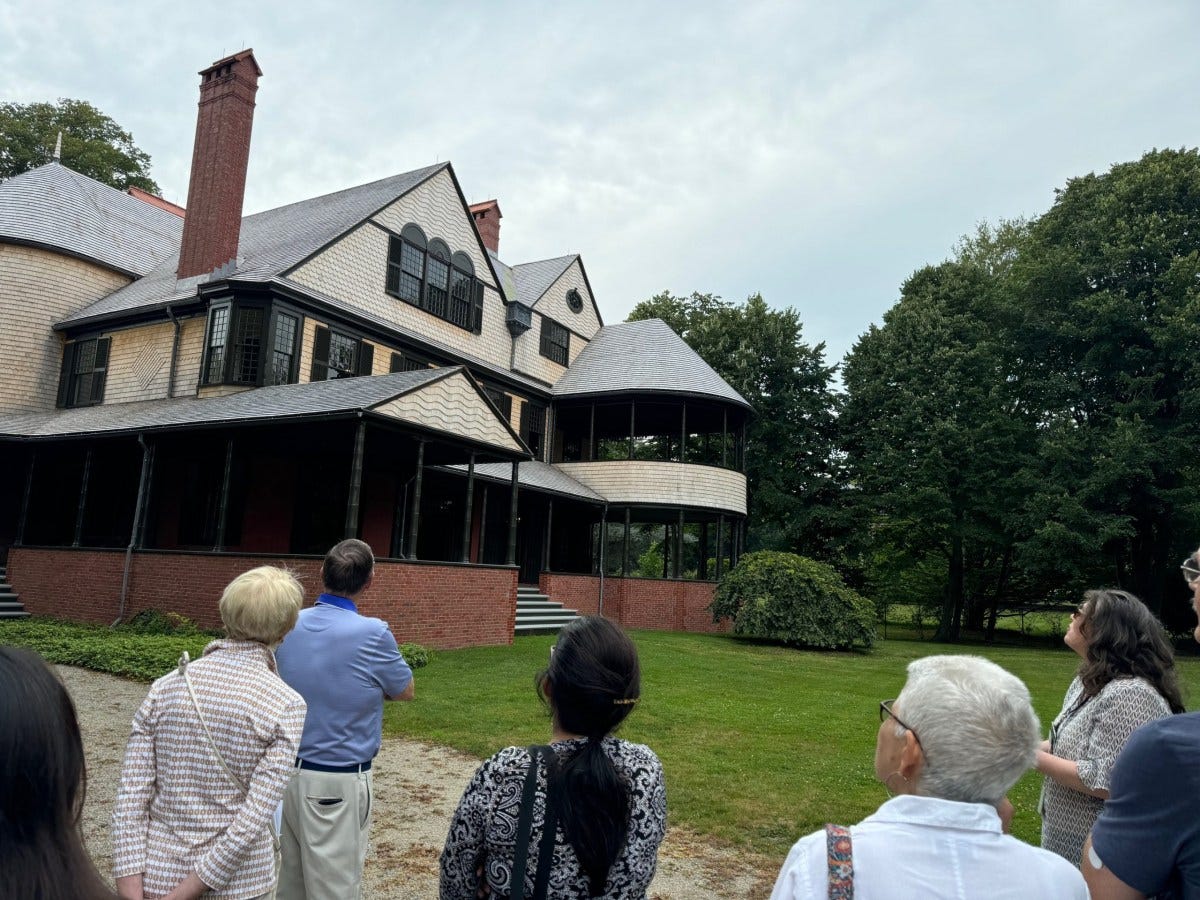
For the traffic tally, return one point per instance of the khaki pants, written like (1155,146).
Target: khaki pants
(326,819)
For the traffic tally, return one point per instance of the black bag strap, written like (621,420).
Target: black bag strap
(549,827)
(525,826)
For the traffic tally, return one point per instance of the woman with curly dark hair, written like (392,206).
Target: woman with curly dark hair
(42,785)
(1126,678)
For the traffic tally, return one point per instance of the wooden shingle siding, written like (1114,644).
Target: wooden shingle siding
(528,359)
(191,352)
(554,304)
(139,363)
(663,483)
(354,271)
(37,289)
(452,405)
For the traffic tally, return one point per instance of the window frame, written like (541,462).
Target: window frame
(549,344)
(70,379)
(364,353)
(440,301)
(233,349)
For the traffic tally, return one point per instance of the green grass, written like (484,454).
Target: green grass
(760,744)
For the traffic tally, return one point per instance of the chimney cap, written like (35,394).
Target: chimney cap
(236,57)
(485,206)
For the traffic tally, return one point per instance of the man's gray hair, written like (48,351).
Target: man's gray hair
(975,723)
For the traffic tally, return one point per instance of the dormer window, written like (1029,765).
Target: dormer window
(427,274)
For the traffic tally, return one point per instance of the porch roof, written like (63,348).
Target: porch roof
(445,401)
(535,475)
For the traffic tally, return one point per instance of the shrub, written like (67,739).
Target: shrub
(795,600)
(415,655)
(154,621)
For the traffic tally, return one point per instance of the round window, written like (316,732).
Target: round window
(575,300)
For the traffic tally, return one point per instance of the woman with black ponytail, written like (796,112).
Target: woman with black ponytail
(580,818)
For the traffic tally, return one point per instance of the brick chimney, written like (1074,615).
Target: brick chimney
(218,183)
(487,223)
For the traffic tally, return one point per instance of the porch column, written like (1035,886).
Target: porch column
(19,538)
(468,509)
(702,572)
(678,567)
(625,547)
(139,506)
(683,435)
(353,498)
(483,521)
(724,437)
(83,492)
(720,545)
(546,536)
(416,500)
(149,461)
(591,454)
(632,408)
(512,517)
(223,506)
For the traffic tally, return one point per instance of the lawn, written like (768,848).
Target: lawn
(760,744)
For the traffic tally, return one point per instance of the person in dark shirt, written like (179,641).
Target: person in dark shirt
(1147,839)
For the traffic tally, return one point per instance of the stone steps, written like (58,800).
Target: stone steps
(10,603)
(538,614)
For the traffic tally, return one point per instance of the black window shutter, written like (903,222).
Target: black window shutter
(64,377)
(397,363)
(366,356)
(320,363)
(478,307)
(100,372)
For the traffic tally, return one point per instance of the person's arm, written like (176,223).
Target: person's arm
(131,812)
(189,889)
(393,675)
(1066,773)
(217,867)
(1102,883)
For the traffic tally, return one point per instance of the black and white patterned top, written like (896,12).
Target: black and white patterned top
(484,828)
(1092,735)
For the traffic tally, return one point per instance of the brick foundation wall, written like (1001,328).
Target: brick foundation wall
(441,606)
(657,603)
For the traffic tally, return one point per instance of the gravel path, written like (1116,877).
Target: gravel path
(417,787)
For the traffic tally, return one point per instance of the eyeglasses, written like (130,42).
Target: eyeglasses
(1191,570)
(885,713)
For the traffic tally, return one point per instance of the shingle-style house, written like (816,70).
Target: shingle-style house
(187,393)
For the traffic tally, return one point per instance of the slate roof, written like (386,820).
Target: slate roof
(642,357)
(534,278)
(53,206)
(270,243)
(285,401)
(534,475)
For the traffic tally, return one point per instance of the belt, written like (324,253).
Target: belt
(339,770)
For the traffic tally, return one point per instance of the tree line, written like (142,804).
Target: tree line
(1021,426)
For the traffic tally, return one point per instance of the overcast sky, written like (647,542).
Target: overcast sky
(817,153)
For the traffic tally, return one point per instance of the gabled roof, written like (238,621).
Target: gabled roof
(535,278)
(378,395)
(270,244)
(57,208)
(642,358)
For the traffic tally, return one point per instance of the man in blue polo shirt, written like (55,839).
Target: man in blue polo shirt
(1147,839)
(344,666)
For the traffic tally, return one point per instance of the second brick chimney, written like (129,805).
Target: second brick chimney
(218,184)
(487,223)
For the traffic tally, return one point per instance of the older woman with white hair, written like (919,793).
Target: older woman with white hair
(212,748)
(949,748)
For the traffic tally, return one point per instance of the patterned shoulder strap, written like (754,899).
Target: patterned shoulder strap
(840,853)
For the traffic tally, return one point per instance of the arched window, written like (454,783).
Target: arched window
(427,274)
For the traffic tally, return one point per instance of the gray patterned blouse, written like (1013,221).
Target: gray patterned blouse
(1092,735)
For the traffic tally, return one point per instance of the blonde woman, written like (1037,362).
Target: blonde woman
(212,748)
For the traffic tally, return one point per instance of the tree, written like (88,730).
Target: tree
(791,464)
(937,446)
(92,143)
(1109,326)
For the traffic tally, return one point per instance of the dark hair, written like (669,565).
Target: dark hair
(42,786)
(1125,641)
(348,566)
(591,685)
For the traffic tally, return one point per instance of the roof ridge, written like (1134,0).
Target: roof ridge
(354,187)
